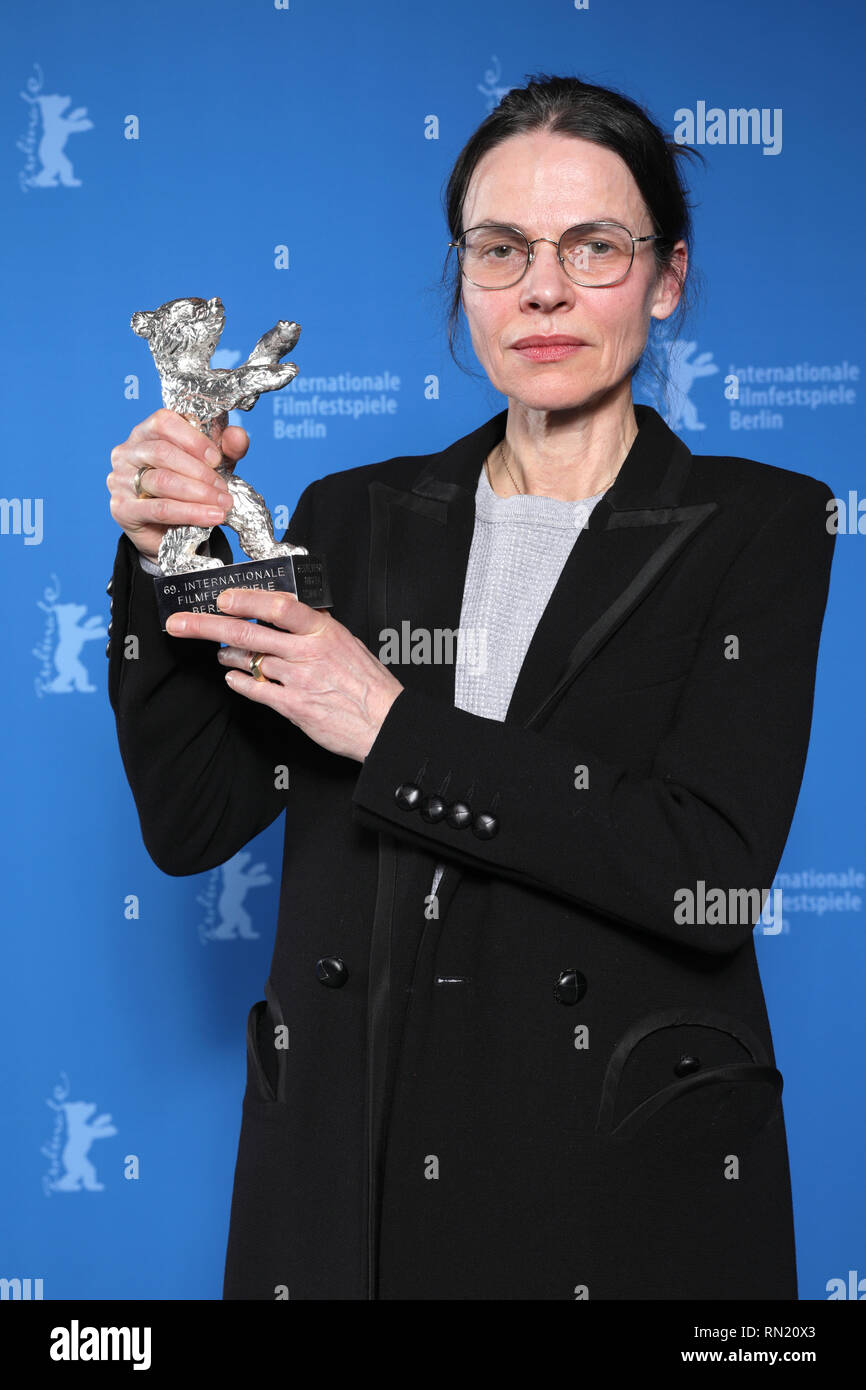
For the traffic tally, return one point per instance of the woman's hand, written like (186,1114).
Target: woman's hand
(318,674)
(183,488)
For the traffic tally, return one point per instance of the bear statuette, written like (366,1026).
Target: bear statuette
(183,335)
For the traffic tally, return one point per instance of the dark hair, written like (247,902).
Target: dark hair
(569,106)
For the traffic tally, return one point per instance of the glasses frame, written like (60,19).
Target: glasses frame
(655,236)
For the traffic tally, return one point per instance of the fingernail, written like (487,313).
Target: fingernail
(216,513)
(175,624)
(212,455)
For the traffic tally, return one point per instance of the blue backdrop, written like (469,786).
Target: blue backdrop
(290,158)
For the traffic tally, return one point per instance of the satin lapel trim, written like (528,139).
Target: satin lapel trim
(608,572)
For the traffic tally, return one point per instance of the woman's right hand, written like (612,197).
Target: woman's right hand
(185,490)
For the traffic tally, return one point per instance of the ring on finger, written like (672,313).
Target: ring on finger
(137,487)
(256,666)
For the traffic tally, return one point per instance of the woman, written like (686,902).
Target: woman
(514,1043)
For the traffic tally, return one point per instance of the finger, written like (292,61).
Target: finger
(262,692)
(234,632)
(283,610)
(164,511)
(273,668)
(159,453)
(170,426)
(175,474)
(237,656)
(235,442)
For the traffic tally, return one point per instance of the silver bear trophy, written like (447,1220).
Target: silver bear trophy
(183,335)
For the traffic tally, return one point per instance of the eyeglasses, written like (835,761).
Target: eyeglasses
(593,254)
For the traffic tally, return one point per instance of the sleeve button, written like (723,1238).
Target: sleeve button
(485,826)
(408,796)
(434,809)
(459,815)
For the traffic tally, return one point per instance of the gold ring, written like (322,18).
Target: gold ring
(256,666)
(136,483)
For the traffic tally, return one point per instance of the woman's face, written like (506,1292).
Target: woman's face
(542,184)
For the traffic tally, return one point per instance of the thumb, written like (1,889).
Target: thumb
(234,442)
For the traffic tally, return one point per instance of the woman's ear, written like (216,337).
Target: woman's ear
(669,283)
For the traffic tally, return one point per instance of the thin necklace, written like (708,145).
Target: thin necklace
(508,471)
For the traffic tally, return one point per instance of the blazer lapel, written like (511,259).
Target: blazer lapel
(634,533)
(419,552)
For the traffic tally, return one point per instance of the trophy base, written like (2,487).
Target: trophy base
(196,591)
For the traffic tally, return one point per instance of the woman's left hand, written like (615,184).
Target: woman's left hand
(319,675)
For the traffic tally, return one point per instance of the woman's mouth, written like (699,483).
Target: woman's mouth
(550,349)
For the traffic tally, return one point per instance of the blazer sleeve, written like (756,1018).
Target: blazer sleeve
(200,760)
(719,800)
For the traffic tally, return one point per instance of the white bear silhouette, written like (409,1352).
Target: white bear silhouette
(682,373)
(71,673)
(235,921)
(56,129)
(80,1172)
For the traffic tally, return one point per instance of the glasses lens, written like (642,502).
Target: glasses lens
(596,253)
(493,256)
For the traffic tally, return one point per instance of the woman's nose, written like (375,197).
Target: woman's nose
(545,279)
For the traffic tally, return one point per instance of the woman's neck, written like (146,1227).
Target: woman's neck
(566,454)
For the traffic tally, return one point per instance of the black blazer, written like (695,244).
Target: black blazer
(544,1083)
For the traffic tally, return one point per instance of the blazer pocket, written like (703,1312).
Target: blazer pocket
(266,1062)
(688,1084)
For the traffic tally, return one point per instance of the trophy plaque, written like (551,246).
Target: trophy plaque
(183,335)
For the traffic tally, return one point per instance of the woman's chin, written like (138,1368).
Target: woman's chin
(550,396)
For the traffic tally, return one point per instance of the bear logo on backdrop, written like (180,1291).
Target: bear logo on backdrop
(491,88)
(683,369)
(225,917)
(49,127)
(65,632)
(75,1128)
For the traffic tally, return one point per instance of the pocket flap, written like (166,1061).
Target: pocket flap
(689,1080)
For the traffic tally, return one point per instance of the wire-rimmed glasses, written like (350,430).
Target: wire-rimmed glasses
(596,255)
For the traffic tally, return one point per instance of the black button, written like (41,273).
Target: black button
(686,1065)
(107,648)
(109,629)
(570,987)
(434,808)
(408,796)
(485,826)
(331,971)
(459,815)
(110,585)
